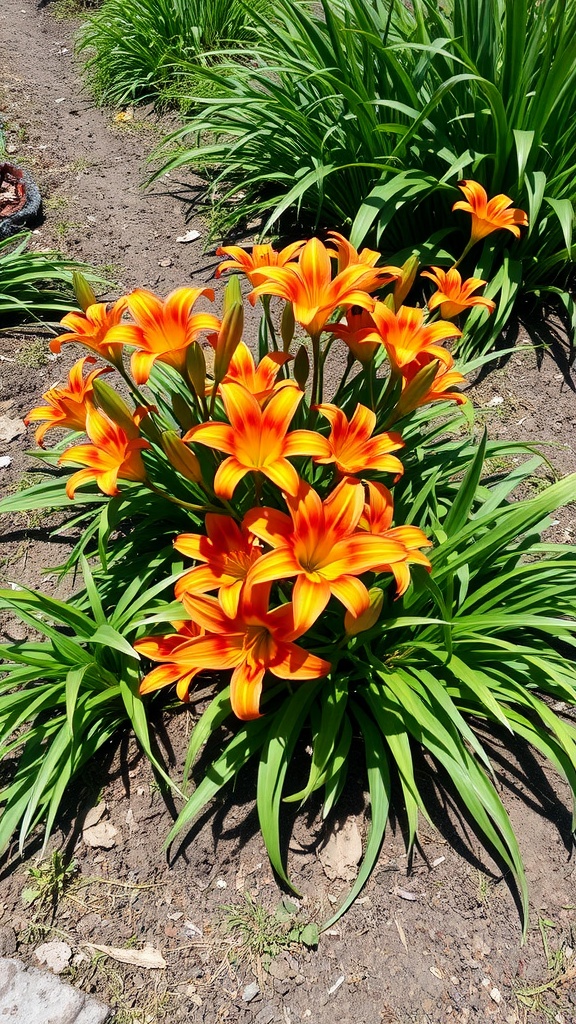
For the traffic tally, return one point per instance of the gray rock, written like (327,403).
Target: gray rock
(30,996)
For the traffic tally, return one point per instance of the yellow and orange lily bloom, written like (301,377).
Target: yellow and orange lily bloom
(112,455)
(357,326)
(67,405)
(228,551)
(351,446)
(405,336)
(320,545)
(257,440)
(163,330)
(455,295)
(377,520)
(258,380)
(261,256)
(489,215)
(164,649)
(251,643)
(348,256)
(309,286)
(91,329)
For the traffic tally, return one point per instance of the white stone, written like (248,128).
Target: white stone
(30,996)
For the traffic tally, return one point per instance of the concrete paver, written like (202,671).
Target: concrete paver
(31,996)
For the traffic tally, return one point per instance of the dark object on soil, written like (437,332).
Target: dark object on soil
(20,200)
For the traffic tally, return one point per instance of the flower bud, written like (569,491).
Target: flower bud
(83,291)
(416,389)
(182,412)
(368,618)
(196,367)
(230,333)
(301,367)
(404,283)
(109,401)
(181,457)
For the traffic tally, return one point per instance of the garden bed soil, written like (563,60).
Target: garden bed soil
(431,941)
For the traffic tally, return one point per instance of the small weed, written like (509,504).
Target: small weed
(561,966)
(263,933)
(485,889)
(33,356)
(80,165)
(49,881)
(64,9)
(55,202)
(64,227)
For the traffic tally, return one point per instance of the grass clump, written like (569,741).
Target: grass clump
(141,50)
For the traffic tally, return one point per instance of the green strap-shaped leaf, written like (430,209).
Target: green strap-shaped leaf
(246,743)
(286,726)
(379,788)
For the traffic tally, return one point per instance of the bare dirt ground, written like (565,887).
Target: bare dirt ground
(431,942)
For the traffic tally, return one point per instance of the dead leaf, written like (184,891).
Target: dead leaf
(405,894)
(11,428)
(148,957)
(342,852)
(401,933)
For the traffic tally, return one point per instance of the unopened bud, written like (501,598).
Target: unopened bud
(182,412)
(109,401)
(416,390)
(405,282)
(83,291)
(196,367)
(368,618)
(230,333)
(301,369)
(181,457)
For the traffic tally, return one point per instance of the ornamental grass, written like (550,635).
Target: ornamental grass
(341,571)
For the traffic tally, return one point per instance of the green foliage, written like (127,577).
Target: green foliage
(49,881)
(139,49)
(476,647)
(368,114)
(66,693)
(32,283)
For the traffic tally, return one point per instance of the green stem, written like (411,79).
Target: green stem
(268,318)
(178,501)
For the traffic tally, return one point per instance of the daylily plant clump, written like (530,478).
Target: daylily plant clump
(299,526)
(291,492)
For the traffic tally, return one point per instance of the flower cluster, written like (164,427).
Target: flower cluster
(291,491)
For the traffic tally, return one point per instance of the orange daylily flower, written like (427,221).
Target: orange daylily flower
(67,405)
(376,519)
(228,551)
(319,544)
(261,256)
(348,256)
(91,329)
(164,649)
(357,326)
(257,440)
(351,446)
(258,380)
(405,336)
(308,285)
(489,215)
(454,295)
(251,643)
(164,330)
(113,454)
